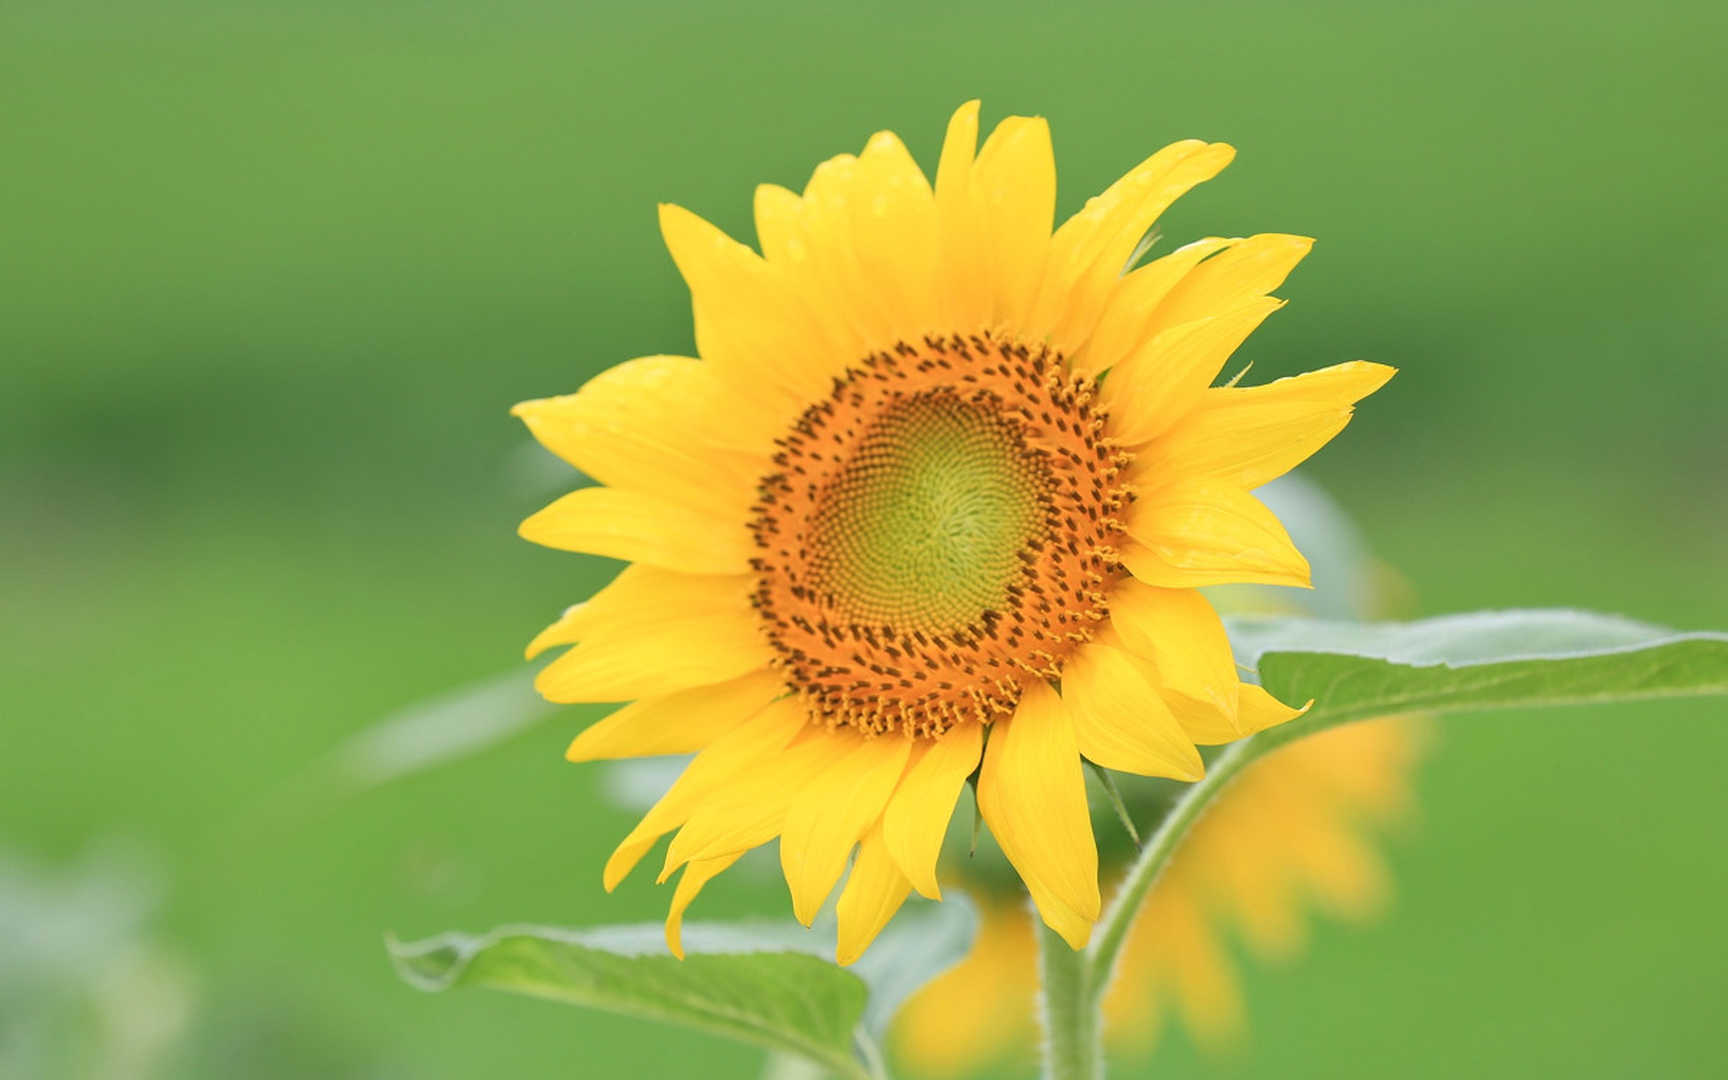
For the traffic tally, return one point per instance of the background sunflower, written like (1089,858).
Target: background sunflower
(272,272)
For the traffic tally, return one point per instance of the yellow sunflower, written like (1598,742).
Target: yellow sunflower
(1287,835)
(939,473)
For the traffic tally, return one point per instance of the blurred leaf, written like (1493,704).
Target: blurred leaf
(1478,660)
(428,733)
(738,981)
(771,984)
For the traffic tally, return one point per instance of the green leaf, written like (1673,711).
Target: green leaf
(1479,660)
(1356,671)
(750,984)
(450,727)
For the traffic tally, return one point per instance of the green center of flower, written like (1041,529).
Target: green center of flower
(924,528)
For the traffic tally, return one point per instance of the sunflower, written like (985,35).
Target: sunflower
(934,501)
(1288,835)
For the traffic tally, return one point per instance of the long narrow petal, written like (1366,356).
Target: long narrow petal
(966,294)
(874,892)
(753,810)
(1089,253)
(1120,722)
(1032,792)
(662,425)
(1180,635)
(861,246)
(652,632)
(636,527)
(733,754)
(1013,184)
(678,723)
(832,813)
(1155,386)
(1124,325)
(645,598)
(917,817)
(696,875)
(1201,533)
(895,234)
(1247,269)
(627,663)
(1250,435)
(750,322)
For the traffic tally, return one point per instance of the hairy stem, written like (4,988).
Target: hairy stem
(1073,1046)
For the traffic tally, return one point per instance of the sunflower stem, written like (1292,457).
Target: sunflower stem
(1098,965)
(1072,983)
(1073,1043)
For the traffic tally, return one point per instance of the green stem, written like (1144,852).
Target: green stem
(1112,931)
(1073,1043)
(1073,983)
(875,1065)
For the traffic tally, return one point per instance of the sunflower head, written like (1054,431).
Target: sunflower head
(939,470)
(942,528)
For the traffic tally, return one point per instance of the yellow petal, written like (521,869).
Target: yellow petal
(659,425)
(751,324)
(895,235)
(874,892)
(1119,720)
(644,598)
(1250,435)
(678,723)
(568,630)
(687,631)
(861,246)
(778,231)
(1013,187)
(1201,533)
(1089,253)
(1032,792)
(732,755)
(636,527)
(1247,270)
(1124,325)
(1180,634)
(826,820)
(966,294)
(1260,710)
(752,809)
(1155,386)
(917,817)
(695,876)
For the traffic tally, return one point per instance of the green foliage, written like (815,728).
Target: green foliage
(1479,660)
(734,981)
(1355,671)
(772,985)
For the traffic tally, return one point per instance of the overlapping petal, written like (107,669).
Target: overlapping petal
(1120,720)
(1196,533)
(1032,794)
(1247,436)
(868,255)
(917,817)
(654,425)
(638,527)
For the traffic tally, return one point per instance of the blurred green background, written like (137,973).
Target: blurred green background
(271,274)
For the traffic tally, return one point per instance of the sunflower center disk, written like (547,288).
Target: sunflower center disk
(941,529)
(923,528)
